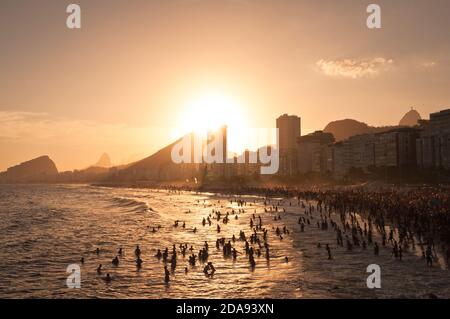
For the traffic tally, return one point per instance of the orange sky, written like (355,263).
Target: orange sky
(120,84)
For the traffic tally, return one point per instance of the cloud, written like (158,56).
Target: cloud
(354,68)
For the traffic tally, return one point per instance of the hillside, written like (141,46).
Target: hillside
(40,169)
(343,129)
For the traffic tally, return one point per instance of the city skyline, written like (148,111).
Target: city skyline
(123,82)
(415,144)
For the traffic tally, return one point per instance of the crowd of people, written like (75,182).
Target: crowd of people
(400,221)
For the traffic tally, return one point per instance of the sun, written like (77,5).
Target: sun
(208,112)
(211,110)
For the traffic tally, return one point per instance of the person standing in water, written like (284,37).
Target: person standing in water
(329,252)
(376,249)
(166,275)
(137,251)
(429,256)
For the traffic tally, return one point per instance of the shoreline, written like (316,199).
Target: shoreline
(269,188)
(314,193)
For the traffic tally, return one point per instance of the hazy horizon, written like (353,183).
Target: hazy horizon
(125,82)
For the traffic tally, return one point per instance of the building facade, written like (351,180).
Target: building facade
(394,148)
(433,145)
(289,129)
(311,152)
(217,169)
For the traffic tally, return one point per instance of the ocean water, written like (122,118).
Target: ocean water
(45,228)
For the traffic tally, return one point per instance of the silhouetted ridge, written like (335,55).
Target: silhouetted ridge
(156,167)
(343,129)
(40,169)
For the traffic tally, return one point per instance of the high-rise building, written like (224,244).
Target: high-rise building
(311,152)
(341,159)
(362,151)
(289,130)
(217,138)
(433,146)
(396,148)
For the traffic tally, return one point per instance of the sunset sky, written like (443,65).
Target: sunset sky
(123,83)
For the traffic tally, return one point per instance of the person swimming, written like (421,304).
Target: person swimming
(99,269)
(108,278)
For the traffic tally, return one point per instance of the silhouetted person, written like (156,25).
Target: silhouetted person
(376,249)
(137,251)
(429,256)
(329,252)
(139,262)
(166,275)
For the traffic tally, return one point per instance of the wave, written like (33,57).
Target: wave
(132,203)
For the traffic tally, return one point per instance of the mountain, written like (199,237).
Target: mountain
(104,161)
(410,119)
(157,167)
(41,169)
(343,129)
